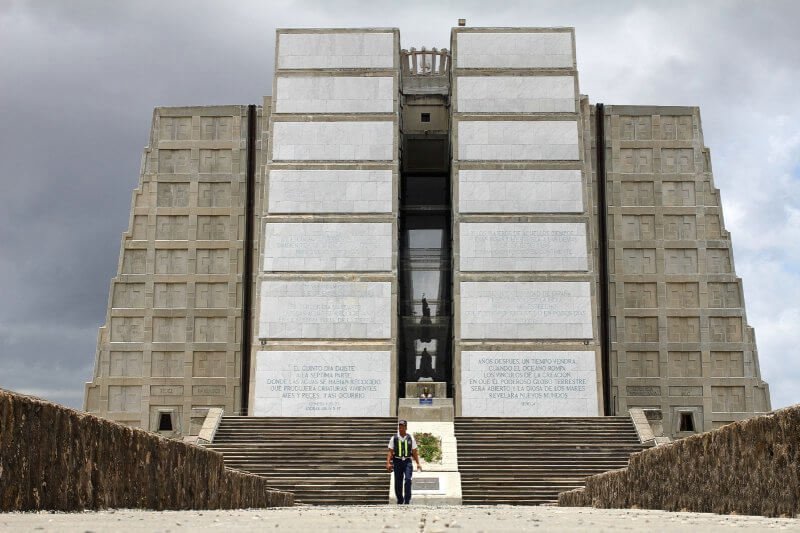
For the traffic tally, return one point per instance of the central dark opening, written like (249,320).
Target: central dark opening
(425,300)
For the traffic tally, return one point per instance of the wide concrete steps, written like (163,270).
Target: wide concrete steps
(324,461)
(528,461)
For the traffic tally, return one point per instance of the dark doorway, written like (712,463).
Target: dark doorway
(425,300)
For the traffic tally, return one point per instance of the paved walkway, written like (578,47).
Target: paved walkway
(391,518)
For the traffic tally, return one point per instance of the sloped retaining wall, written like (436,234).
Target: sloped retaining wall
(55,458)
(749,467)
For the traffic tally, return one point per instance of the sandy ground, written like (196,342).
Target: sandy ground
(393,518)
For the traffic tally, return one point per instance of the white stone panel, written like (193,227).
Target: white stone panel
(329,246)
(522,246)
(516,140)
(520,191)
(334,94)
(325,310)
(514,50)
(515,94)
(335,50)
(333,141)
(330,191)
(322,383)
(528,383)
(526,310)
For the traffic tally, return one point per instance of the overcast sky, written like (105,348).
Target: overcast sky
(79,80)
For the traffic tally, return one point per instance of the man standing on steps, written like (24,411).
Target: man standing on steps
(402,447)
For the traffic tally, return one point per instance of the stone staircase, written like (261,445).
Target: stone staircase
(528,461)
(324,461)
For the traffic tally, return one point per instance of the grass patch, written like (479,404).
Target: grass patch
(429,447)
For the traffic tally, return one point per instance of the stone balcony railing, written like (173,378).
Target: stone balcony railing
(425,71)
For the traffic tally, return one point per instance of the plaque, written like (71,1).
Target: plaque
(424,483)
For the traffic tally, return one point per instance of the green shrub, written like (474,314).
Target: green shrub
(429,447)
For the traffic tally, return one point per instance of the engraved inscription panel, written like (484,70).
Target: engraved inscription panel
(333,141)
(172,227)
(213,261)
(678,193)
(213,227)
(212,194)
(330,191)
(640,295)
(727,364)
(334,94)
(125,398)
(517,140)
(718,261)
(725,295)
(523,246)
(336,50)
(520,191)
(683,295)
(211,295)
(325,310)
(127,329)
(169,295)
(683,329)
(727,399)
(209,364)
(525,310)
(125,364)
(167,364)
(172,261)
(210,329)
(680,227)
(172,194)
(215,161)
(639,261)
(322,383)
(169,329)
(685,365)
(128,295)
(681,260)
(642,364)
(638,227)
(725,328)
(515,94)
(330,246)
(514,50)
(641,329)
(528,383)
(636,193)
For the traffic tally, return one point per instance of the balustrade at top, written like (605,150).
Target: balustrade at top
(424,62)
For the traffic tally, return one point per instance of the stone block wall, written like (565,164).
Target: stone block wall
(680,342)
(524,283)
(327,279)
(54,458)
(747,467)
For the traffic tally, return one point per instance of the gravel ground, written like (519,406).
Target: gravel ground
(390,517)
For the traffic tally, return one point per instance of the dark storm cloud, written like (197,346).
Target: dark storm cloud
(79,80)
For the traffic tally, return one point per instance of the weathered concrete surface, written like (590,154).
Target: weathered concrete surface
(55,458)
(395,518)
(749,467)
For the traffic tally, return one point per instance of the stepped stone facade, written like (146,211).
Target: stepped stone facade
(464,217)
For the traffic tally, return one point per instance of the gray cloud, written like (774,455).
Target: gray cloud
(79,81)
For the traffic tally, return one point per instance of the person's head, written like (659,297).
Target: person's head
(402,425)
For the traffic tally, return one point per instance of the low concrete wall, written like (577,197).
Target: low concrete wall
(55,458)
(748,467)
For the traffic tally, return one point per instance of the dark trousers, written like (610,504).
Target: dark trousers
(403,468)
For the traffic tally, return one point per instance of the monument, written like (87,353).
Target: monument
(461,219)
